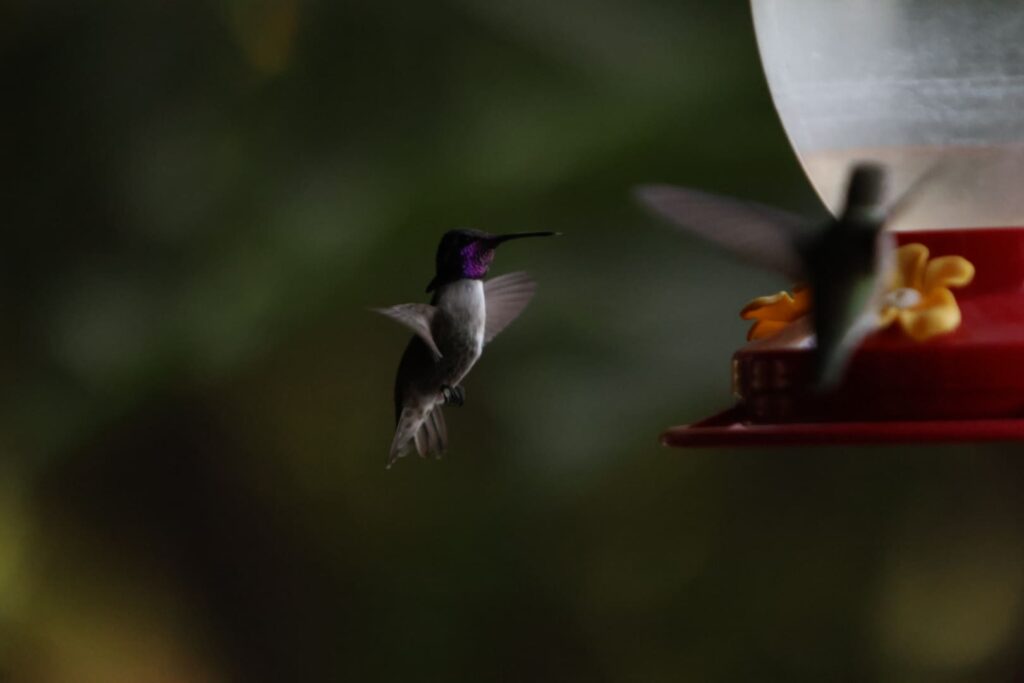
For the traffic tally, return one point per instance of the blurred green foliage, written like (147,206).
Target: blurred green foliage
(202,199)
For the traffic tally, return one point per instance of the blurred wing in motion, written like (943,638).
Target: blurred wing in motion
(418,318)
(756,233)
(898,206)
(506,296)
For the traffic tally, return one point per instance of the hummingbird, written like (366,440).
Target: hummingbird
(847,260)
(464,314)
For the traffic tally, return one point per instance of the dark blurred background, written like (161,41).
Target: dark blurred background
(201,199)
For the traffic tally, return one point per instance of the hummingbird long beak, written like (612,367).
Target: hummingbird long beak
(498,239)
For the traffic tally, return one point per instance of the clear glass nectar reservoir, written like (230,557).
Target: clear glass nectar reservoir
(910,83)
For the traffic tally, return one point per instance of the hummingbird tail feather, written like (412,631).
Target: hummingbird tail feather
(420,439)
(432,436)
(424,430)
(440,431)
(409,422)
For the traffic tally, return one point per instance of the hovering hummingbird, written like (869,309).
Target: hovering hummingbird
(847,261)
(464,314)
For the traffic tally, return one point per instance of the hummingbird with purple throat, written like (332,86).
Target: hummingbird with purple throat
(464,314)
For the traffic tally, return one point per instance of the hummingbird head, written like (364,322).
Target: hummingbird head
(467,254)
(865,193)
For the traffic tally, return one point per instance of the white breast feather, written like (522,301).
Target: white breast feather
(464,302)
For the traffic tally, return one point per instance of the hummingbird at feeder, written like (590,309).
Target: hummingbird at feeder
(847,261)
(451,331)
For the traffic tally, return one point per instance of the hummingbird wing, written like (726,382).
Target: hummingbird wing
(910,196)
(418,318)
(505,298)
(754,232)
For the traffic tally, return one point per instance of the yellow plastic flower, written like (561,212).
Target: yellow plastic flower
(919,298)
(772,313)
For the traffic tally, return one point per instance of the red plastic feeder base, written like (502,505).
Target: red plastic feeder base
(964,386)
(731,428)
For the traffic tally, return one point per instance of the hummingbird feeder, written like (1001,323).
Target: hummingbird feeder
(911,85)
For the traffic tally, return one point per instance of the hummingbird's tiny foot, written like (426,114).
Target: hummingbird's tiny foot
(453,396)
